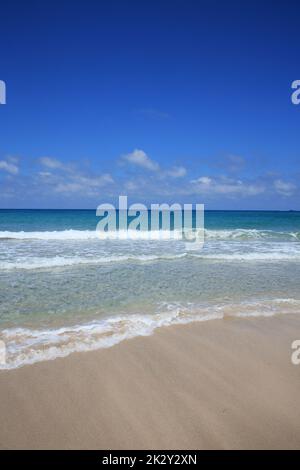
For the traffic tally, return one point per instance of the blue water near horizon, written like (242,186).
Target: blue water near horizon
(62,289)
(86,219)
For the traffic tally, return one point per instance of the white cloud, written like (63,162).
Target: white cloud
(176,172)
(70,180)
(76,180)
(284,187)
(45,174)
(87,185)
(140,158)
(226,186)
(9,167)
(52,163)
(204,180)
(68,188)
(94,181)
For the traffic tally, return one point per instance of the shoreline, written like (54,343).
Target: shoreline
(225,383)
(28,345)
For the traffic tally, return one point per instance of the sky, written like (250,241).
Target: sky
(163,101)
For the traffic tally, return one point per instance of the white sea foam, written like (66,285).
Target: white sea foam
(93,235)
(234,234)
(250,234)
(53,235)
(61,261)
(28,346)
(33,263)
(254,256)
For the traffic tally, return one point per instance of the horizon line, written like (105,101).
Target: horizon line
(89,209)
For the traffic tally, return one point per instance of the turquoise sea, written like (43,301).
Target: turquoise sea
(62,289)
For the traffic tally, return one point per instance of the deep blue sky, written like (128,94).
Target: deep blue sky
(162,100)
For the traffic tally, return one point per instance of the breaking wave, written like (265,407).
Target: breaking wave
(61,261)
(28,346)
(235,234)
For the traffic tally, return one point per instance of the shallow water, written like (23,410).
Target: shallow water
(62,289)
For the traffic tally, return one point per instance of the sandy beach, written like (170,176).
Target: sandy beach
(223,384)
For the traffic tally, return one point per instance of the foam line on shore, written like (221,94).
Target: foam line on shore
(28,346)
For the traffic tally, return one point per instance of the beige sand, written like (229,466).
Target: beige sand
(219,384)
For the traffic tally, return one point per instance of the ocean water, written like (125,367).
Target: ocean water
(62,289)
